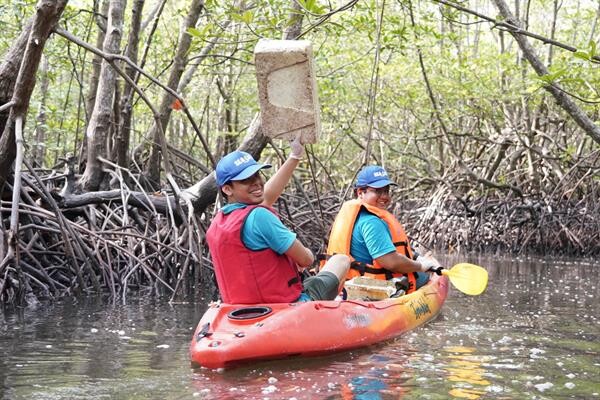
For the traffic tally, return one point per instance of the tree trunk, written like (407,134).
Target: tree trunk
(189,73)
(225,121)
(90,99)
(294,24)
(47,14)
(121,140)
(152,170)
(98,128)
(594,24)
(39,147)
(555,8)
(9,69)
(563,100)
(154,13)
(115,121)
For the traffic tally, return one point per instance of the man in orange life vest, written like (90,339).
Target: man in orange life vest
(373,237)
(256,258)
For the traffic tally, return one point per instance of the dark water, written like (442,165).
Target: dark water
(534,334)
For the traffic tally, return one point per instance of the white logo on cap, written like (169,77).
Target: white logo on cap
(380,173)
(242,160)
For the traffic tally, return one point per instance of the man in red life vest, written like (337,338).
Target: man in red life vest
(373,237)
(256,258)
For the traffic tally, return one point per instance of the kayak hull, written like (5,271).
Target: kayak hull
(230,334)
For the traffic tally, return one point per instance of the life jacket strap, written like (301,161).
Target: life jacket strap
(323,257)
(405,245)
(363,268)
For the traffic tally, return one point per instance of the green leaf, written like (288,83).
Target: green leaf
(582,55)
(248,17)
(553,76)
(200,33)
(312,6)
(194,32)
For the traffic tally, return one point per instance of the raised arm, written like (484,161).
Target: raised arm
(277,183)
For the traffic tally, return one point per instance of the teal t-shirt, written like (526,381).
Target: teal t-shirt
(371,238)
(263,230)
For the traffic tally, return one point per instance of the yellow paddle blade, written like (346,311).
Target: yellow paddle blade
(468,278)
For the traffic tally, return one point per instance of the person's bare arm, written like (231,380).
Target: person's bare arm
(275,186)
(300,254)
(397,262)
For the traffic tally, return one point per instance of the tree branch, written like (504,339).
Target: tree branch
(512,28)
(112,58)
(561,98)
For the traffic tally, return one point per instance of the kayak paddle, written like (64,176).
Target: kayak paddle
(468,278)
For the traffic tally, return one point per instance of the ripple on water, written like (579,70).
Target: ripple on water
(524,338)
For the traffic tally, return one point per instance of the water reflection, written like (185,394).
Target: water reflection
(535,333)
(465,368)
(355,375)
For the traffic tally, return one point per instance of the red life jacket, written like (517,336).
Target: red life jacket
(341,236)
(246,276)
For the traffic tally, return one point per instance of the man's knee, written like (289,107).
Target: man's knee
(338,264)
(340,258)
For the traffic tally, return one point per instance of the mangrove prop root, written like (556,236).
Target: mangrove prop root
(133,242)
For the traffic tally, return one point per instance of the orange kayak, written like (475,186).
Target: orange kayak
(229,334)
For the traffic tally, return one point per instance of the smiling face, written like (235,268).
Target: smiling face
(246,191)
(376,197)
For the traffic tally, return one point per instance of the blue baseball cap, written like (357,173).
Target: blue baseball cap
(236,166)
(373,176)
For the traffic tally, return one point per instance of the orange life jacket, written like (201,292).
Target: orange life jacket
(341,237)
